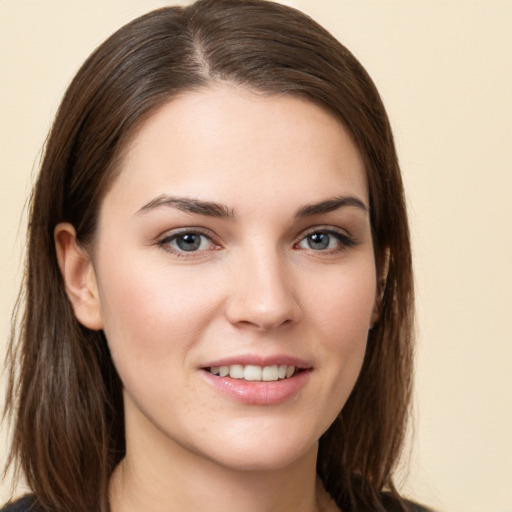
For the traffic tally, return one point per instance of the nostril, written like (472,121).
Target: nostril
(263,296)
(265,322)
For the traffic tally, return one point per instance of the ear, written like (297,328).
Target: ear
(381,286)
(79,277)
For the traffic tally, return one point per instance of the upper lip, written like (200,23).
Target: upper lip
(258,360)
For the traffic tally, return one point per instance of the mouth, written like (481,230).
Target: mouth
(255,373)
(255,380)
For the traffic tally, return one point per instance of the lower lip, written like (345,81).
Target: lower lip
(259,392)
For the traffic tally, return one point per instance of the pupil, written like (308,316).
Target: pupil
(188,242)
(318,241)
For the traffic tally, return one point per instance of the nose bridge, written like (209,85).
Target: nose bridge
(263,292)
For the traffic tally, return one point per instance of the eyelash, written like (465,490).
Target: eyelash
(344,241)
(165,242)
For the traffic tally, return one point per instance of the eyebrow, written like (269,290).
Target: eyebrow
(189,205)
(212,209)
(330,205)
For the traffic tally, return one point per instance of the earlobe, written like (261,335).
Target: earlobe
(79,277)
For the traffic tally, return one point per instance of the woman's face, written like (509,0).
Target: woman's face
(236,277)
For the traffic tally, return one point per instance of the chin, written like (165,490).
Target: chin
(274,452)
(259,462)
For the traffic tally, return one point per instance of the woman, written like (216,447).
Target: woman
(218,307)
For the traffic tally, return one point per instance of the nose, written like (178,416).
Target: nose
(262,296)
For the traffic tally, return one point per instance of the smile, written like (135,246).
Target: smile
(254,373)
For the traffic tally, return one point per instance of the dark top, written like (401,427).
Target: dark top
(25,504)
(28,504)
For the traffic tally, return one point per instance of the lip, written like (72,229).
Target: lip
(259,392)
(245,359)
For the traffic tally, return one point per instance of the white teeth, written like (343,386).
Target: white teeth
(269,373)
(253,372)
(236,371)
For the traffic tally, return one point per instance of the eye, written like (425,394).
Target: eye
(187,242)
(325,240)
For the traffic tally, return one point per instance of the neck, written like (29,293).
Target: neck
(156,481)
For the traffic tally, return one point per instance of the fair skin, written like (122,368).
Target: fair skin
(236,236)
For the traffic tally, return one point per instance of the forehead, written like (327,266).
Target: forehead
(204,143)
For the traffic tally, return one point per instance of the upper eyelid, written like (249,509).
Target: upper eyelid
(344,238)
(185,230)
(213,237)
(325,229)
(165,242)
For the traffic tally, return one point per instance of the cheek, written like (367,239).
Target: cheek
(341,319)
(151,314)
(343,303)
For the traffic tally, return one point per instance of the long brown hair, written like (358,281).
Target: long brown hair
(64,395)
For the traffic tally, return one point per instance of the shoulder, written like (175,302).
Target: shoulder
(416,507)
(392,504)
(25,504)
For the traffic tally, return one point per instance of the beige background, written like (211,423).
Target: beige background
(444,69)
